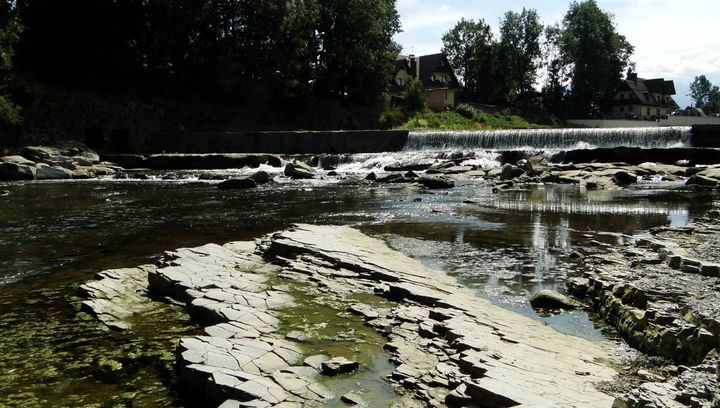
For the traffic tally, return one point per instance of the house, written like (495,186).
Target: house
(644,99)
(435,74)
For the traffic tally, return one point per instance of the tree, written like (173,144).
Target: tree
(9,32)
(700,91)
(555,85)
(519,52)
(470,49)
(414,97)
(356,51)
(595,56)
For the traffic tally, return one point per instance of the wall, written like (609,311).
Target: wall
(436,99)
(361,141)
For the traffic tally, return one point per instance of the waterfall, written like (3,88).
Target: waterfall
(550,139)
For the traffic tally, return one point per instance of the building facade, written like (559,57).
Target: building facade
(644,99)
(435,74)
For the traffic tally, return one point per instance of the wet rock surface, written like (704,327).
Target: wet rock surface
(449,347)
(662,293)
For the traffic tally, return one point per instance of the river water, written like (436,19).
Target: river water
(56,235)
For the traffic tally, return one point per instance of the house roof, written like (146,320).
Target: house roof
(428,64)
(645,90)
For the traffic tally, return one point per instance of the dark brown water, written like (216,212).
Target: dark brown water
(54,236)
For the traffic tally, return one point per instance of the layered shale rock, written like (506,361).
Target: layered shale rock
(449,347)
(662,293)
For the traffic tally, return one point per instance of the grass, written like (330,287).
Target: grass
(466,117)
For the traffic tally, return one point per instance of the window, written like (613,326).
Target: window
(622,109)
(401,81)
(648,111)
(446,94)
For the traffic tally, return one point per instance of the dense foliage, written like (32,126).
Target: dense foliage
(9,30)
(265,54)
(595,56)
(705,95)
(584,59)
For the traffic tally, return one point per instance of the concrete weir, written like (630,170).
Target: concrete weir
(450,347)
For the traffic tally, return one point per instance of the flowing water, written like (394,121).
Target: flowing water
(56,235)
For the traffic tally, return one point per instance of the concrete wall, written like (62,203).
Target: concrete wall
(363,141)
(672,121)
(706,136)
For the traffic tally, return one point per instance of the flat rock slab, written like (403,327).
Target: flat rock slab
(447,344)
(515,359)
(118,294)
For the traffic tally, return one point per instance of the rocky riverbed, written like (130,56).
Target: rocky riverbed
(662,293)
(449,346)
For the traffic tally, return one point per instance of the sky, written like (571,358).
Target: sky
(673,39)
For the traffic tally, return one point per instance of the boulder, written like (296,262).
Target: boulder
(15,172)
(410,166)
(371,176)
(299,170)
(45,172)
(261,177)
(338,365)
(526,166)
(510,172)
(434,183)
(17,160)
(240,183)
(624,178)
(548,299)
(700,180)
(393,178)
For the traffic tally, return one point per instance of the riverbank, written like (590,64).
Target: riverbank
(661,292)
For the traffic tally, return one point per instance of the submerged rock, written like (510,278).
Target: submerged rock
(548,299)
(240,183)
(435,182)
(261,177)
(339,365)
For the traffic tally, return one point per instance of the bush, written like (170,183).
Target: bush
(392,117)
(467,111)
(414,97)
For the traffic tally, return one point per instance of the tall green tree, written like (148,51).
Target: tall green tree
(555,85)
(356,51)
(470,48)
(595,55)
(519,52)
(700,91)
(9,32)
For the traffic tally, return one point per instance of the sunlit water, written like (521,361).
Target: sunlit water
(54,236)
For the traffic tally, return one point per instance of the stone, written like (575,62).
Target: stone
(261,177)
(298,336)
(45,172)
(239,183)
(338,365)
(418,165)
(17,160)
(316,361)
(353,398)
(509,172)
(16,172)
(548,299)
(624,178)
(435,182)
(299,170)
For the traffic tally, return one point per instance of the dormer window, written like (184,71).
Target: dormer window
(400,81)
